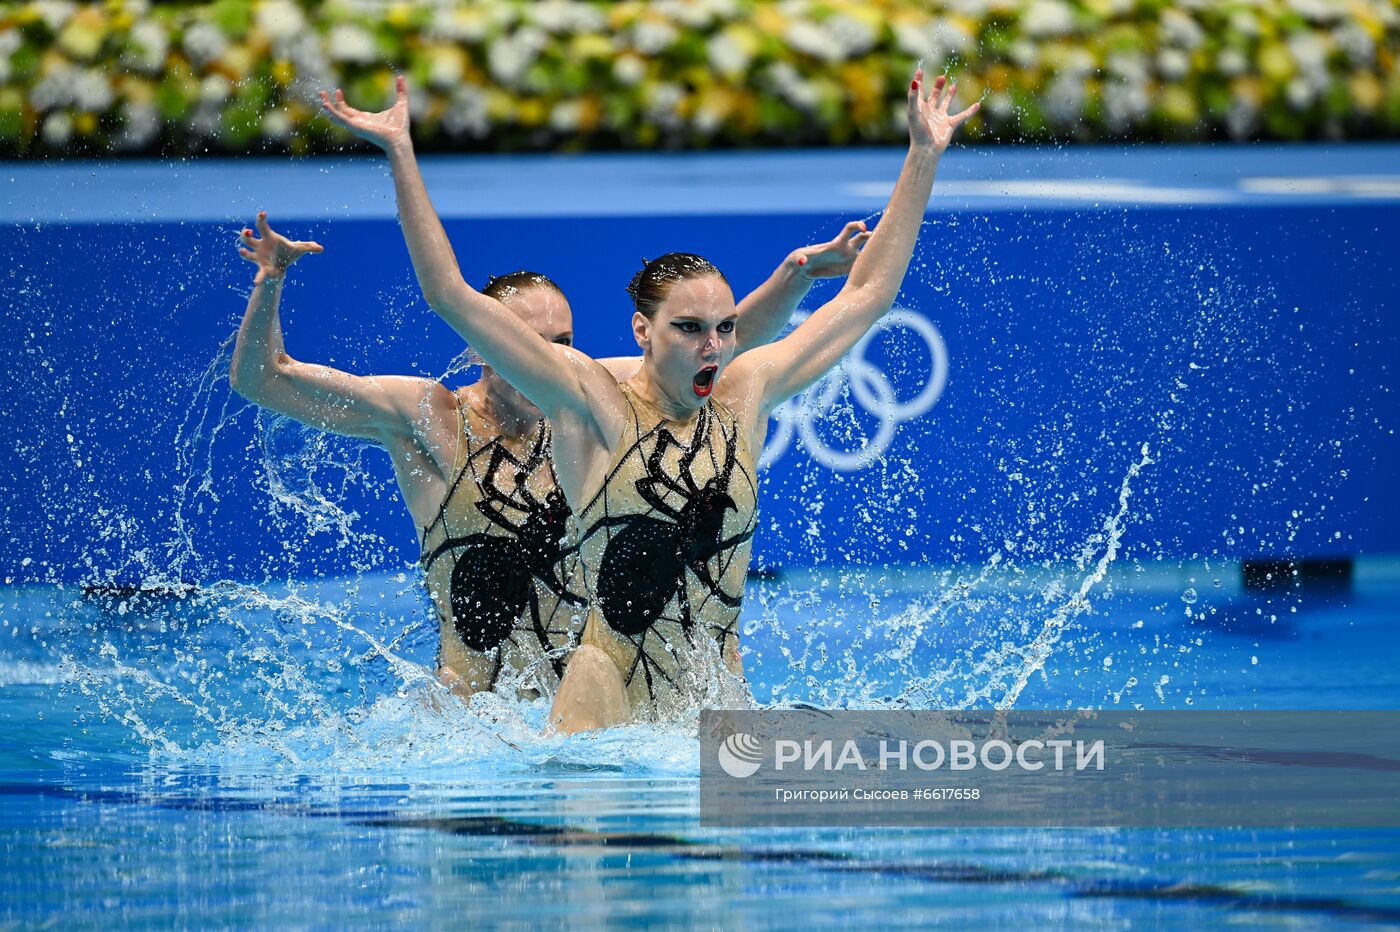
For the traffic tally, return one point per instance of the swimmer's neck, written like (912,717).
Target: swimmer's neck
(503,406)
(654,394)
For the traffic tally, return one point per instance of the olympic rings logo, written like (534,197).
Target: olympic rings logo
(870,388)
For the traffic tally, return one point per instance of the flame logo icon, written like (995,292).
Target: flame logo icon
(740,755)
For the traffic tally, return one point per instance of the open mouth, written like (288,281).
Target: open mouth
(704,381)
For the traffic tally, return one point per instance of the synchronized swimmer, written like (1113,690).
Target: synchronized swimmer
(621,493)
(473,465)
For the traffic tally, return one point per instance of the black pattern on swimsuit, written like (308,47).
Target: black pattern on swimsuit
(648,556)
(494,575)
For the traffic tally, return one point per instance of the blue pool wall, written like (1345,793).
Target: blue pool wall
(1249,344)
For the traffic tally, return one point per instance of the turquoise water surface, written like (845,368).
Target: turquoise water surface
(240,756)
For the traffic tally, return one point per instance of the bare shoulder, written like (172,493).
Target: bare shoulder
(745,373)
(414,396)
(746,367)
(427,418)
(597,383)
(621,368)
(417,410)
(601,416)
(586,366)
(740,387)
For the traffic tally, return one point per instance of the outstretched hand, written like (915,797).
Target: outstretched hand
(271,252)
(833,259)
(386,129)
(930,124)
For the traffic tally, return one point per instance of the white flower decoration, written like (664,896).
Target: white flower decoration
(276,125)
(629,70)
(149,45)
(1317,11)
(1125,102)
(215,89)
(566,116)
(1231,62)
(446,68)
(57,129)
(203,42)
(727,56)
(280,20)
(854,36)
(811,39)
(663,99)
(350,43)
(140,125)
(651,37)
(466,113)
(1309,50)
(55,88)
(1173,64)
(785,80)
(92,91)
(1353,39)
(1241,118)
(509,57)
(562,17)
(1181,30)
(54,13)
(1047,18)
(1064,99)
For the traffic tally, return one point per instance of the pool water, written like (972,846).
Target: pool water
(242,755)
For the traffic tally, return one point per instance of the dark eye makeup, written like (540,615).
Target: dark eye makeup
(692,326)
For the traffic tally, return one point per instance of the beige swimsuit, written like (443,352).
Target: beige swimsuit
(501,563)
(665,547)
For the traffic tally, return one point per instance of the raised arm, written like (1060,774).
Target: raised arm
(766,310)
(558,379)
(373,408)
(782,369)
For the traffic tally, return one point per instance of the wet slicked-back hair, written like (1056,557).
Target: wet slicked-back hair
(503,286)
(650,286)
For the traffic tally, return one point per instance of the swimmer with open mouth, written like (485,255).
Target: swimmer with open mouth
(704,381)
(659,469)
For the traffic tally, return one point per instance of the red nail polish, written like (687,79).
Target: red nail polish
(913,85)
(801,260)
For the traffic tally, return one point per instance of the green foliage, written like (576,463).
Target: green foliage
(129,75)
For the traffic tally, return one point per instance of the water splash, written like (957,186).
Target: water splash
(966,640)
(1036,653)
(325,681)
